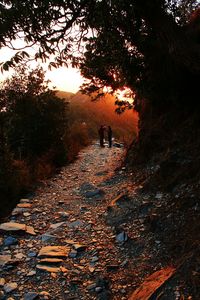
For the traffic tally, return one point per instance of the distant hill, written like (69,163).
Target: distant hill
(65,95)
(91,114)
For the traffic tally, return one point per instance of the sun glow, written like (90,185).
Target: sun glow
(125,95)
(65,79)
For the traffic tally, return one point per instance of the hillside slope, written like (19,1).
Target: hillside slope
(166,160)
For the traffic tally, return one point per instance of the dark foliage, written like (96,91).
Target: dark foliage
(33,133)
(138,44)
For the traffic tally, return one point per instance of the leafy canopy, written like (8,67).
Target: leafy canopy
(35,119)
(116,43)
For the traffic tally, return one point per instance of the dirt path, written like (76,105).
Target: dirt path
(106,251)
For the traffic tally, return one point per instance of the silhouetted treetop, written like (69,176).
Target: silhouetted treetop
(139,44)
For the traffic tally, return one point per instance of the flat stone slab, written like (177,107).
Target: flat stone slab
(12,226)
(24,205)
(50,264)
(152,283)
(54,251)
(51,261)
(48,268)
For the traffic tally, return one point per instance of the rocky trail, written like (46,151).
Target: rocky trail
(82,235)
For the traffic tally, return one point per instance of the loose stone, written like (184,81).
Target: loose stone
(2,282)
(48,237)
(30,296)
(32,254)
(122,237)
(26,214)
(9,241)
(54,251)
(73,254)
(98,289)
(9,287)
(31,273)
(94,259)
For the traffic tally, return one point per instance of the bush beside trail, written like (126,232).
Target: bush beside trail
(34,134)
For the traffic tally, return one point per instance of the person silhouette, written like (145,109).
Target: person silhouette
(109,136)
(101,135)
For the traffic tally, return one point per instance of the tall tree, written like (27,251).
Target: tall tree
(36,119)
(133,29)
(139,44)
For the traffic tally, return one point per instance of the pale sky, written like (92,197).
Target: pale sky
(64,79)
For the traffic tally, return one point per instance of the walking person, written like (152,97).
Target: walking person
(101,135)
(109,137)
